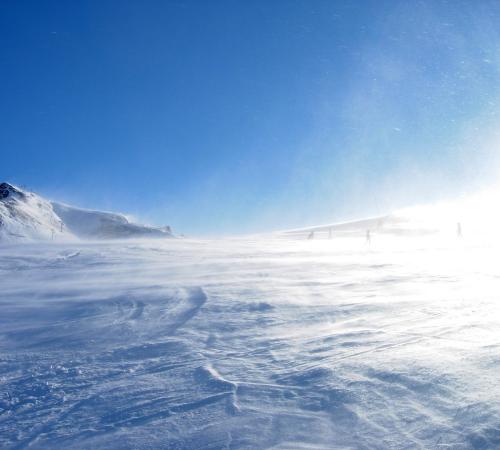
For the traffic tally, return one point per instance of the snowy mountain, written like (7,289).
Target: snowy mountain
(27,216)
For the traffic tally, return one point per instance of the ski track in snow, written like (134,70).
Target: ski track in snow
(263,343)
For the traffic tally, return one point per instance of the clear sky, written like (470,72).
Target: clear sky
(238,116)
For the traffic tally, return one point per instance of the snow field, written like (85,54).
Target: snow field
(250,343)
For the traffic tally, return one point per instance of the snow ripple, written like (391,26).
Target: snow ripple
(247,345)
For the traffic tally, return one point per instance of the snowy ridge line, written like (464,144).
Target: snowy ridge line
(349,224)
(26,216)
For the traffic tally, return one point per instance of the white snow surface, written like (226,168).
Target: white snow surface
(250,343)
(26,216)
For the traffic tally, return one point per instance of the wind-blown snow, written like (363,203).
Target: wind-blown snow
(264,343)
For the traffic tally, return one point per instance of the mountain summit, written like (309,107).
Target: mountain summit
(25,216)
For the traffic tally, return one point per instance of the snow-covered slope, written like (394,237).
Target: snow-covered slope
(474,214)
(27,216)
(397,224)
(103,225)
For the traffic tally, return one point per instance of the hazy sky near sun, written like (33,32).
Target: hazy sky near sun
(236,116)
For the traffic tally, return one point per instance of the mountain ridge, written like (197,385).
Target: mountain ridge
(26,216)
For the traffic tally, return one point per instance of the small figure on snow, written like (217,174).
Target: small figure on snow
(368,237)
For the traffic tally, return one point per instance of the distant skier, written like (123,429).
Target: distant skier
(311,236)
(459,230)
(368,237)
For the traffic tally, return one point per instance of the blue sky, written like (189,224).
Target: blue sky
(237,116)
